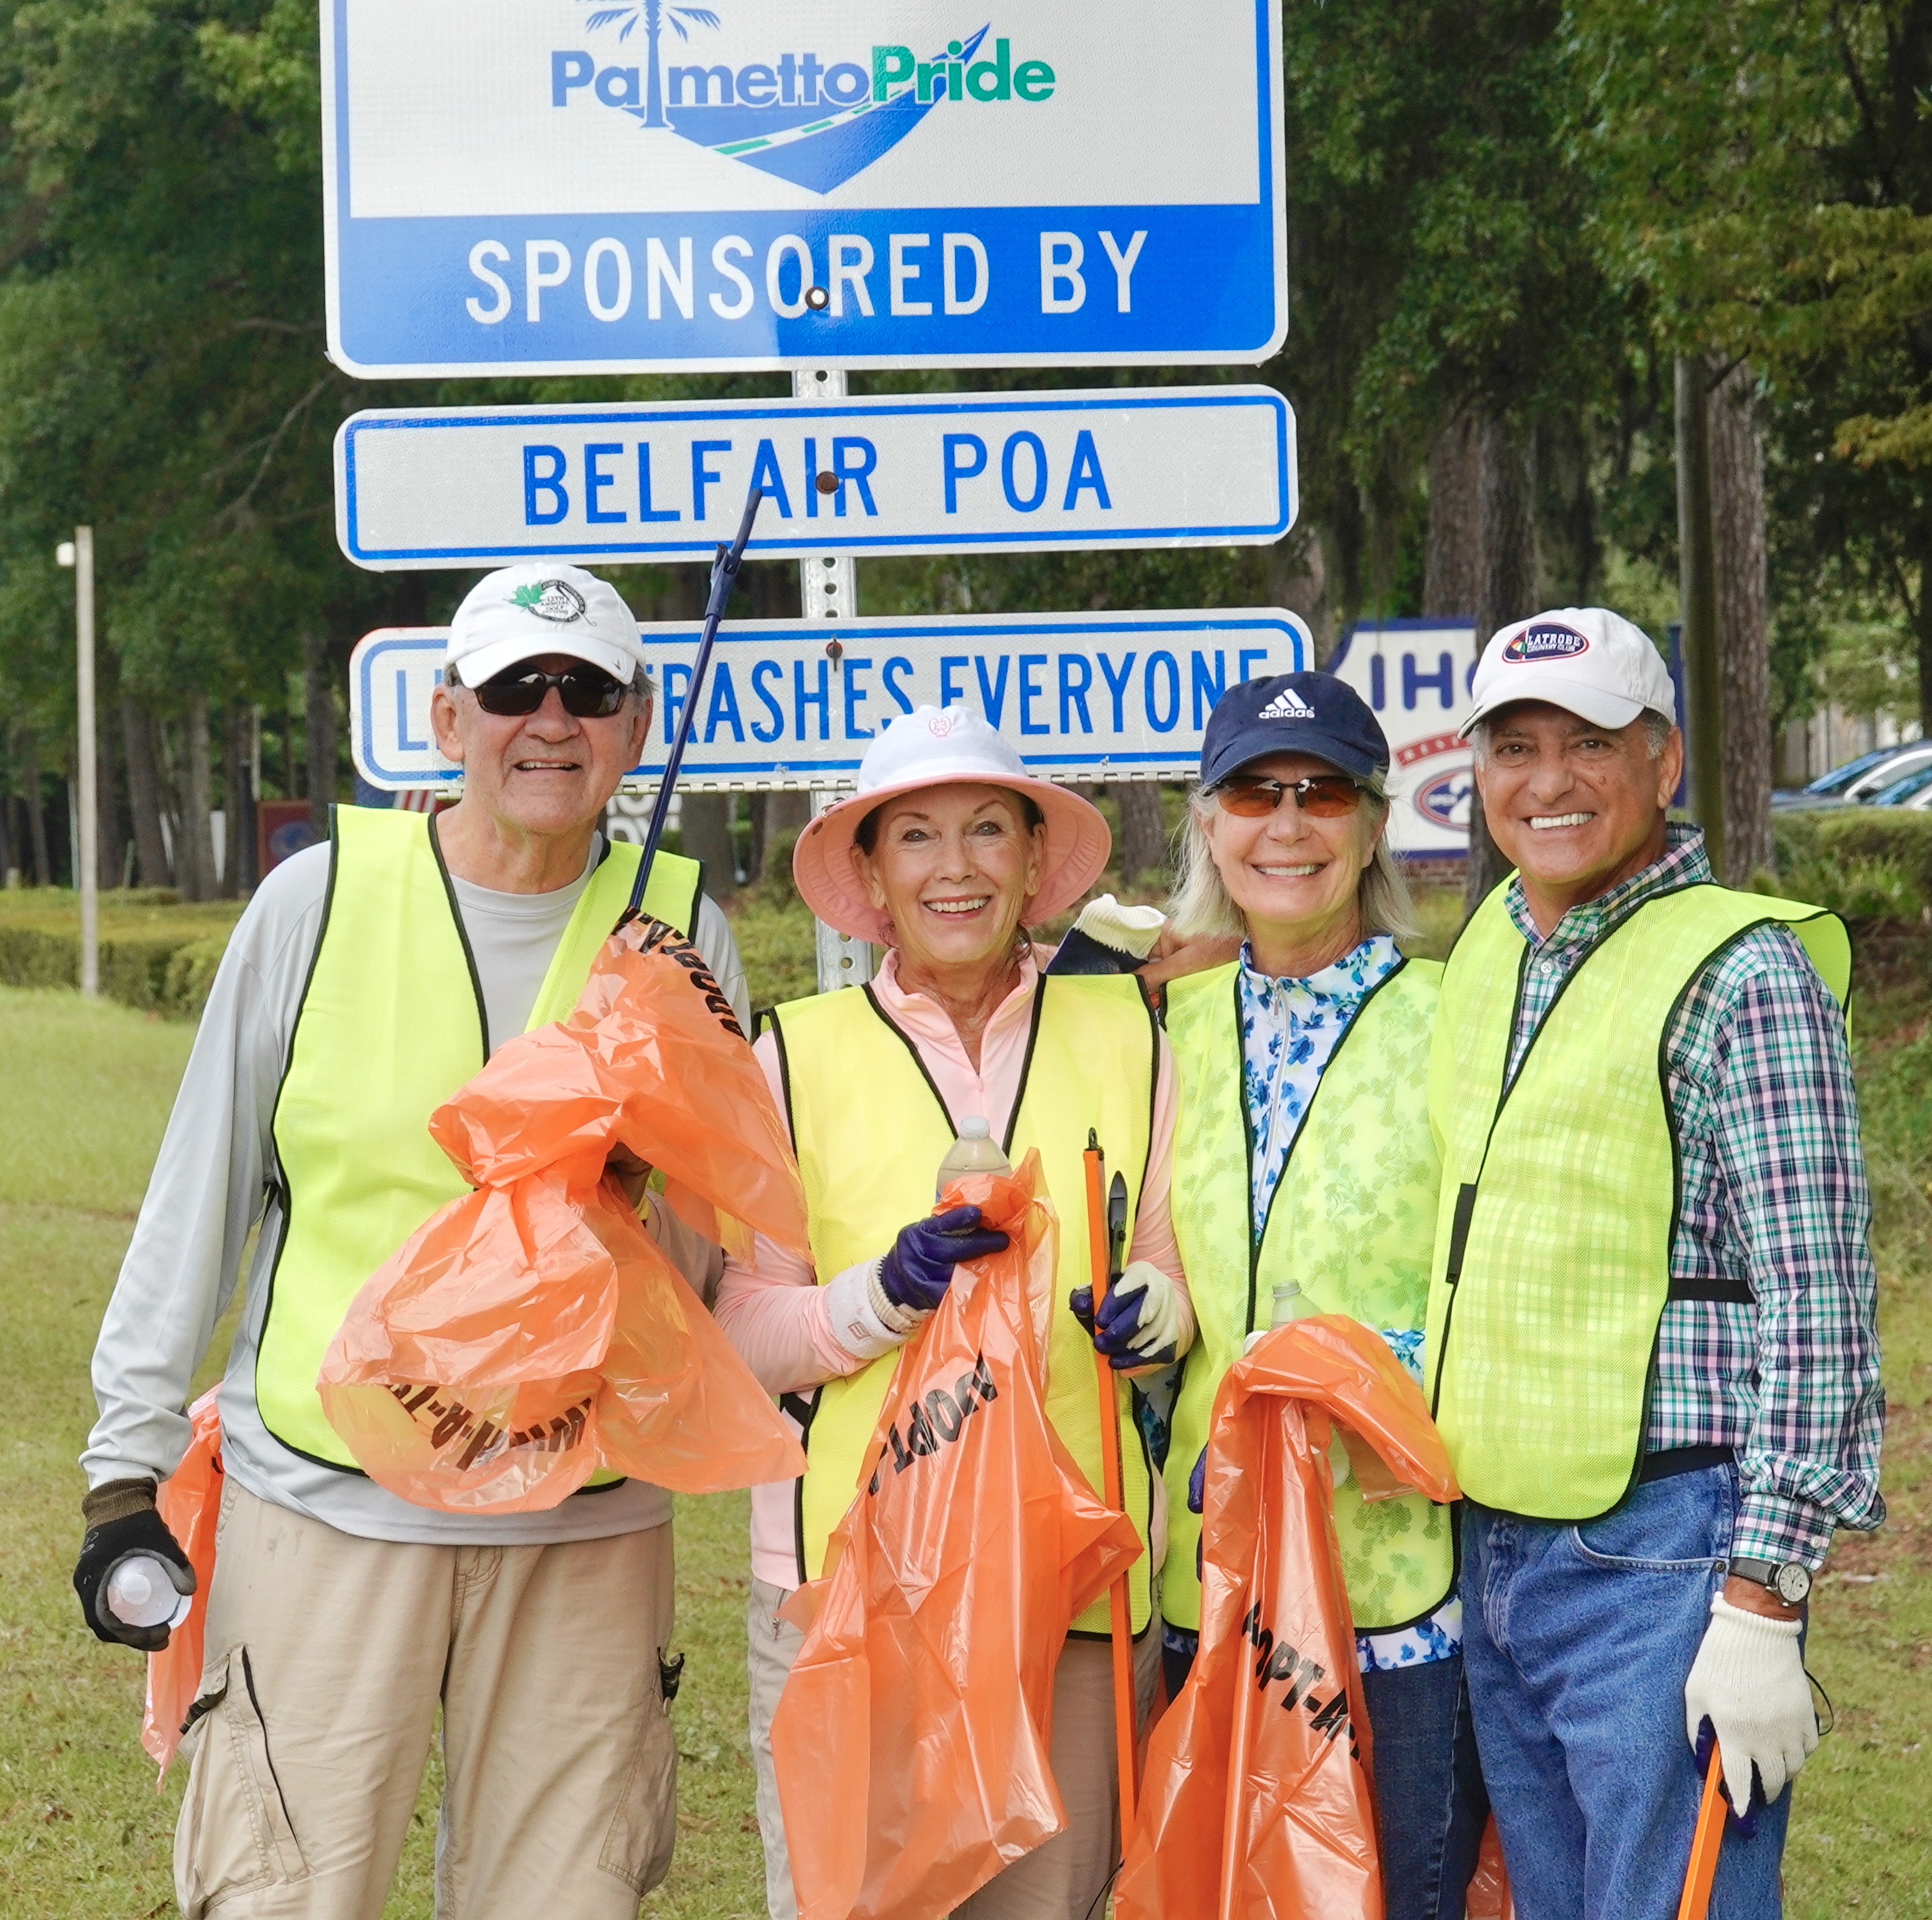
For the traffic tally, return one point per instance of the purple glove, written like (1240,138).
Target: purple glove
(917,1273)
(1197,1484)
(1140,1318)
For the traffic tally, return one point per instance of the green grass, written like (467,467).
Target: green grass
(84,1093)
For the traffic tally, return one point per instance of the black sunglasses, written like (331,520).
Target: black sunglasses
(588,693)
(1326,795)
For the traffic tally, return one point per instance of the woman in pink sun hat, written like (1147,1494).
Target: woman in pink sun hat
(948,849)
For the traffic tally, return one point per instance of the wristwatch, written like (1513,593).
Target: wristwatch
(1788,1580)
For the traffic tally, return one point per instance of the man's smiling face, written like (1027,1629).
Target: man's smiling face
(1575,808)
(547,773)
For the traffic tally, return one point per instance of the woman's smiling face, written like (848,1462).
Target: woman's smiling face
(953,867)
(1288,871)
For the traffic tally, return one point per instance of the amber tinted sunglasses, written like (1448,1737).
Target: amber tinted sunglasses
(1326,795)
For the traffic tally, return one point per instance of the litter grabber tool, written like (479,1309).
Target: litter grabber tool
(724,577)
(1705,1842)
(1106,1229)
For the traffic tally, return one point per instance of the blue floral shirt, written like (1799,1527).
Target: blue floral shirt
(1290,1029)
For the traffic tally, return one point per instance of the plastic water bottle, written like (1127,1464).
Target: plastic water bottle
(975,1151)
(1291,1304)
(140,1594)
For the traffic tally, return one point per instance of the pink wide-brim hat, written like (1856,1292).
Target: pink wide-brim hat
(930,747)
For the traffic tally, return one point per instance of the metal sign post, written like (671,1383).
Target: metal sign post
(828,589)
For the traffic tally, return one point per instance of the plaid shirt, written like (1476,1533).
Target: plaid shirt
(1774,1193)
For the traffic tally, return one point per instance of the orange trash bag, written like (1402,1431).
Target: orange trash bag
(911,1739)
(531,1333)
(189,1501)
(1257,1803)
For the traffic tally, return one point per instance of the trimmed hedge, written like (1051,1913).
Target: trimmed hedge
(1868,863)
(160,973)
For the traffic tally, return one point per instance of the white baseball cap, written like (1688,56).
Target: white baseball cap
(935,747)
(523,612)
(1586,660)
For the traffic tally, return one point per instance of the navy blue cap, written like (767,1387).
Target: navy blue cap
(1310,713)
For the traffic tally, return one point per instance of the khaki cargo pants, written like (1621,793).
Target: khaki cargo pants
(327,1656)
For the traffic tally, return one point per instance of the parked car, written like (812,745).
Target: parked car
(1861,779)
(1915,790)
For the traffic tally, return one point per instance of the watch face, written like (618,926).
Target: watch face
(1792,1582)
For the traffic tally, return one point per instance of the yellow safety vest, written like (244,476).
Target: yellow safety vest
(1560,1193)
(870,1130)
(392,1023)
(1352,1218)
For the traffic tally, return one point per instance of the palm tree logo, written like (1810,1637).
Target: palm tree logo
(656,15)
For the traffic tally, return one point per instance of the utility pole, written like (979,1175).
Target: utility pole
(1697,591)
(78,554)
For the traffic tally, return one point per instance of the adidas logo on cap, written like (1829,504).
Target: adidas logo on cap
(1286,705)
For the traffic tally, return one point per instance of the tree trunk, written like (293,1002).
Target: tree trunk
(1744,623)
(704,826)
(238,799)
(110,834)
(318,723)
(1697,591)
(1452,550)
(37,816)
(774,815)
(144,794)
(196,843)
(1143,849)
(1505,591)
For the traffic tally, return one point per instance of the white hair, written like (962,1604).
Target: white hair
(1202,905)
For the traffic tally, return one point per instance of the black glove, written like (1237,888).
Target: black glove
(120,1521)
(917,1273)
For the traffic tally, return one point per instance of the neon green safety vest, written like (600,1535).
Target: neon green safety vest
(870,1130)
(1352,1218)
(391,1023)
(1560,1192)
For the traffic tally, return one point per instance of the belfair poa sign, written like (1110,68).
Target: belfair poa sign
(785,705)
(940,473)
(586,186)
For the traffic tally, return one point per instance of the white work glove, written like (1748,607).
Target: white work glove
(1748,1681)
(1139,1323)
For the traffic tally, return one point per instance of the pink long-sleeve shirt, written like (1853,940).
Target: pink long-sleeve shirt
(795,1334)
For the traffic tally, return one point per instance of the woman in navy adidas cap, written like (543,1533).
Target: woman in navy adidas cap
(1273,1186)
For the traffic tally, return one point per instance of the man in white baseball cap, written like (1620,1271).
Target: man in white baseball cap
(1651,1347)
(368,980)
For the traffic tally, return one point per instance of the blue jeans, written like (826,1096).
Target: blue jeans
(1430,1803)
(1579,1640)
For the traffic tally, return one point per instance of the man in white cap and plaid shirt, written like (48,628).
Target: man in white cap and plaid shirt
(1651,1346)
(368,979)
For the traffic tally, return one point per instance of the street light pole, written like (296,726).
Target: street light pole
(79,555)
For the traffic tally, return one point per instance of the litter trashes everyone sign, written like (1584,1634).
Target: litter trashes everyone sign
(944,473)
(789,706)
(578,186)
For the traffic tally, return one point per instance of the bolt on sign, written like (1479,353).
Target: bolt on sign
(585,186)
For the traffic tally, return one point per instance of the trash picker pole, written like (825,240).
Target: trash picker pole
(1705,1843)
(724,577)
(1100,1238)
(79,554)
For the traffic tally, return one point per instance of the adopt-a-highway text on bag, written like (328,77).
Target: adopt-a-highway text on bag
(531,1333)
(1258,1802)
(911,1739)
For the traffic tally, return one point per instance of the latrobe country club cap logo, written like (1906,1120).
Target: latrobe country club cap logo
(1546,641)
(813,119)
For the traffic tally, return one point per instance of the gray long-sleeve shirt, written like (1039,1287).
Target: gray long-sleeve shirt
(216,1176)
